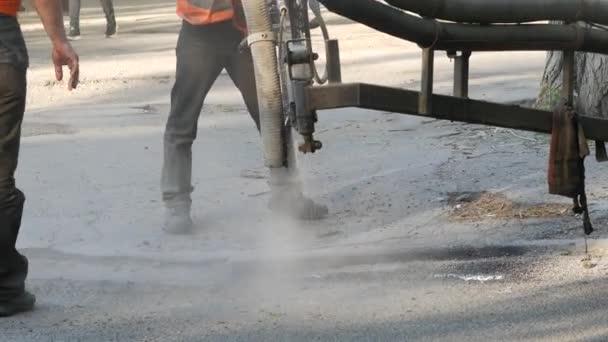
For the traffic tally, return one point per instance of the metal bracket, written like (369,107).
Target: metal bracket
(265,36)
(298,54)
(306,117)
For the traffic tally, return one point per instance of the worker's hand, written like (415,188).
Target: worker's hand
(64,54)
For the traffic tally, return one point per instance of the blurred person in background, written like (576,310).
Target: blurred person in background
(13,67)
(108,10)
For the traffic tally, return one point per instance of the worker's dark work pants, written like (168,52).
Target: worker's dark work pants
(202,53)
(13,266)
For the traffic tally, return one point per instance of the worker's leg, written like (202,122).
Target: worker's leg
(286,190)
(240,69)
(198,66)
(315,7)
(13,266)
(74,10)
(108,10)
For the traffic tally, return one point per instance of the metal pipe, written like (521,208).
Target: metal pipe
(429,33)
(334,68)
(508,11)
(425,104)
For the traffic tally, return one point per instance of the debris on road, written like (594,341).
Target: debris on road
(486,205)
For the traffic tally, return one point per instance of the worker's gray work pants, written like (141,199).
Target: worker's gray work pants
(202,53)
(74,10)
(315,7)
(13,266)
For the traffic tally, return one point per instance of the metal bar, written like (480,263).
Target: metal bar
(334,68)
(426,82)
(569,76)
(444,107)
(298,18)
(461,74)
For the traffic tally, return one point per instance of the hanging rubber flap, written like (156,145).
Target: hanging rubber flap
(569,148)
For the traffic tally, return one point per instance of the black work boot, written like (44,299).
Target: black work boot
(111,27)
(13,266)
(73,10)
(74,33)
(22,303)
(287,197)
(178,220)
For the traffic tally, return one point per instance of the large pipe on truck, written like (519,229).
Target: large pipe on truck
(429,33)
(508,11)
(263,48)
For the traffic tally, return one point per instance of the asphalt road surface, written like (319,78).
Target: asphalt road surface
(392,262)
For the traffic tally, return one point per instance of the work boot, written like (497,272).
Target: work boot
(111,29)
(108,9)
(178,220)
(287,196)
(22,303)
(298,206)
(314,23)
(74,33)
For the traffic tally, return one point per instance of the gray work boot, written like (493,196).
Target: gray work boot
(22,303)
(108,9)
(111,29)
(178,220)
(287,196)
(74,33)
(298,206)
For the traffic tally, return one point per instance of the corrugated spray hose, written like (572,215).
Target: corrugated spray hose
(262,42)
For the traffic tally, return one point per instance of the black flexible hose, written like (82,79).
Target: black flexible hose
(508,11)
(473,37)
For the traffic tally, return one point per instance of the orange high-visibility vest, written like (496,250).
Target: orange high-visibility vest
(10,7)
(205,12)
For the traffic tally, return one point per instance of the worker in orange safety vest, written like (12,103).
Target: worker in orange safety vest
(208,43)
